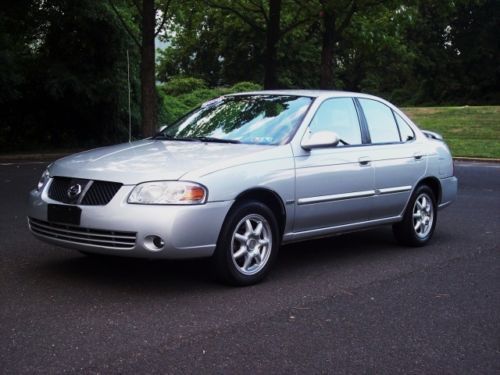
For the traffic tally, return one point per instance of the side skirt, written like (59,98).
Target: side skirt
(339,229)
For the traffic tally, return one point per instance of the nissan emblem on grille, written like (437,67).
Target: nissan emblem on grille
(86,192)
(74,191)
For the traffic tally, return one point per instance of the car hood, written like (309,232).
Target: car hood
(150,160)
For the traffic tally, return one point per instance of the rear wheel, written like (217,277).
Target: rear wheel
(419,219)
(248,244)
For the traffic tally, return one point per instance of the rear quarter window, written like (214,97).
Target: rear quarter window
(407,133)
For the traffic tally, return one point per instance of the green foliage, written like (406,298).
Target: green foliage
(64,82)
(63,76)
(245,86)
(182,85)
(205,44)
(411,52)
(175,107)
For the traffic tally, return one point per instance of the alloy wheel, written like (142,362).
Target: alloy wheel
(423,215)
(251,244)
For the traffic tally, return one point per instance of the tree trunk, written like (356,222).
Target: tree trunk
(148,89)
(327,50)
(272,38)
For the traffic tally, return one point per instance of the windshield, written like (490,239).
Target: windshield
(256,119)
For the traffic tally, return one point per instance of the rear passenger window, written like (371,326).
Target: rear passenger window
(381,123)
(405,130)
(338,115)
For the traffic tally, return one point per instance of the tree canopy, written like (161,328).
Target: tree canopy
(416,51)
(63,81)
(64,75)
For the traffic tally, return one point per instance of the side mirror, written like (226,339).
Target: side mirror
(320,140)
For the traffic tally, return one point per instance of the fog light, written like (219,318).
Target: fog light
(154,243)
(158,242)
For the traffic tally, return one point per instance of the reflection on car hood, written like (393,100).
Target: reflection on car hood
(150,160)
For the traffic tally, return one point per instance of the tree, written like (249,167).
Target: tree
(337,17)
(149,29)
(373,56)
(63,81)
(334,23)
(474,51)
(198,45)
(272,39)
(265,17)
(64,75)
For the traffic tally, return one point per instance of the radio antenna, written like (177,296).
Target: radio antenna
(129,110)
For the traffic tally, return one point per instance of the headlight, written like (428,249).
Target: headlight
(168,192)
(43,180)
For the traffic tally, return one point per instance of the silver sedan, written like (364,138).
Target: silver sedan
(242,174)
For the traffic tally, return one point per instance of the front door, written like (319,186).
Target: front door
(334,186)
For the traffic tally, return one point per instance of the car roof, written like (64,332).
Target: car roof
(309,93)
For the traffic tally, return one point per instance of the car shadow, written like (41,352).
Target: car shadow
(142,274)
(131,273)
(337,251)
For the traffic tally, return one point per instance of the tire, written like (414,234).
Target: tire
(248,244)
(419,219)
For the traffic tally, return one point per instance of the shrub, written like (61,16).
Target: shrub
(182,94)
(245,86)
(182,85)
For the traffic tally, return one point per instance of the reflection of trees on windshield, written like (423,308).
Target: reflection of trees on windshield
(249,118)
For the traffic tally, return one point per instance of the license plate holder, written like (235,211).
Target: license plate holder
(57,213)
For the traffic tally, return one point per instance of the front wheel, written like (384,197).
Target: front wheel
(248,244)
(419,219)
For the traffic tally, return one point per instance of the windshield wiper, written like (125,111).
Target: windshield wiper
(166,137)
(213,139)
(161,135)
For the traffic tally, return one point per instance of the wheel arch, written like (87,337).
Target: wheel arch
(434,185)
(268,197)
(405,230)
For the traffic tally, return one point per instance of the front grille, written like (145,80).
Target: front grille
(93,193)
(59,188)
(83,236)
(100,193)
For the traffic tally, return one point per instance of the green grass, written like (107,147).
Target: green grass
(469,131)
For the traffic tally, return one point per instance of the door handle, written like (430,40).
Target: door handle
(364,160)
(418,155)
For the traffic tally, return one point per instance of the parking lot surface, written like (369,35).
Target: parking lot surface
(356,303)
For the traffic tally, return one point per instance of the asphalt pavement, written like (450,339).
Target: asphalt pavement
(356,303)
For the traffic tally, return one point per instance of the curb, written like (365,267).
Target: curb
(476,160)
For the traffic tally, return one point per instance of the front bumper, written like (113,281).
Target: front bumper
(186,231)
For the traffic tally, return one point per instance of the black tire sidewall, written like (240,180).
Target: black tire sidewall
(226,270)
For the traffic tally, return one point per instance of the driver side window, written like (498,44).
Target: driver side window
(338,115)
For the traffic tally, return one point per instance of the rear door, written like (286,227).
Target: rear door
(397,159)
